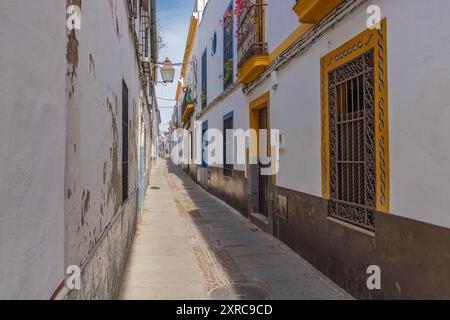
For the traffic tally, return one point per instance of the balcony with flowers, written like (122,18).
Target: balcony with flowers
(253,57)
(187,107)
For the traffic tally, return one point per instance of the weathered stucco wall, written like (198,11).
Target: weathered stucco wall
(61,147)
(99,57)
(32,133)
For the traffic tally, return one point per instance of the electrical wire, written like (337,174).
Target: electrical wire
(165,99)
(175,64)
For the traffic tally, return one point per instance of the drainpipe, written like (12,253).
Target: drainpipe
(153,35)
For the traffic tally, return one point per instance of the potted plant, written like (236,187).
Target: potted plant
(228,76)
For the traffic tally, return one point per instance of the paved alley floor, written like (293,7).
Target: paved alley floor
(189,245)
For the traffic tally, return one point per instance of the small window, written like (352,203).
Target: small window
(124,142)
(228,152)
(228,36)
(214,44)
(204,97)
(204,144)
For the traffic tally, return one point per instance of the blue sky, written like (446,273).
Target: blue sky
(173,20)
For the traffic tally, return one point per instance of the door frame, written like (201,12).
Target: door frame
(261,102)
(204,165)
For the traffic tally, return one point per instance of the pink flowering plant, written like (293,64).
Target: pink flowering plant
(229,15)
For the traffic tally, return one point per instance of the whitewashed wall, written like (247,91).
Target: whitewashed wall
(32,147)
(419,105)
(281,20)
(235,102)
(419,101)
(211,23)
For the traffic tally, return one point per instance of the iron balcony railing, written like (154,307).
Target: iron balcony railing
(144,33)
(250,32)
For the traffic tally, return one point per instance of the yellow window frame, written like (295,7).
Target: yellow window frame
(375,39)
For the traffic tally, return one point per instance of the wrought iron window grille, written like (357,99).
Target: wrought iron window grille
(352,142)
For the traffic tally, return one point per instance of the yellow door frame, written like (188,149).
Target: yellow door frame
(263,101)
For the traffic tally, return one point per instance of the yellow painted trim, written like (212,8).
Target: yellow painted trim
(312,11)
(256,65)
(298,9)
(369,39)
(187,113)
(177,96)
(325,131)
(253,68)
(290,40)
(187,52)
(255,105)
(301,30)
(189,43)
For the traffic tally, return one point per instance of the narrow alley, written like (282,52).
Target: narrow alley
(189,245)
(224,150)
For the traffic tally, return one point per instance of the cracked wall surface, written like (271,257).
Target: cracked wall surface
(98,225)
(61,150)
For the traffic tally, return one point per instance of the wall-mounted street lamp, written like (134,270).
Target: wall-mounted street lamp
(167,71)
(166,68)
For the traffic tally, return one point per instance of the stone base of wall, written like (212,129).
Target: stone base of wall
(193,172)
(414,257)
(232,190)
(102,275)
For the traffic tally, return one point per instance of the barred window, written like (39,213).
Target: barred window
(204,96)
(352,142)
(228,36)
(228,152)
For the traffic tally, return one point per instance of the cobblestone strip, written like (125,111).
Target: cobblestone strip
(216,264)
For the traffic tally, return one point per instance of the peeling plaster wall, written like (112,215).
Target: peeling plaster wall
(98,226)
(60,154)
(32,133)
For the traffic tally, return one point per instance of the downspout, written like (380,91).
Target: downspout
(153,35)
(154,58)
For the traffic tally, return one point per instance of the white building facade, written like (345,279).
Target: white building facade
(357,91)
(76,123)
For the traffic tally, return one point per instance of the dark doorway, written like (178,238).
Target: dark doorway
(204,166)
(263,178)
(124,142)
